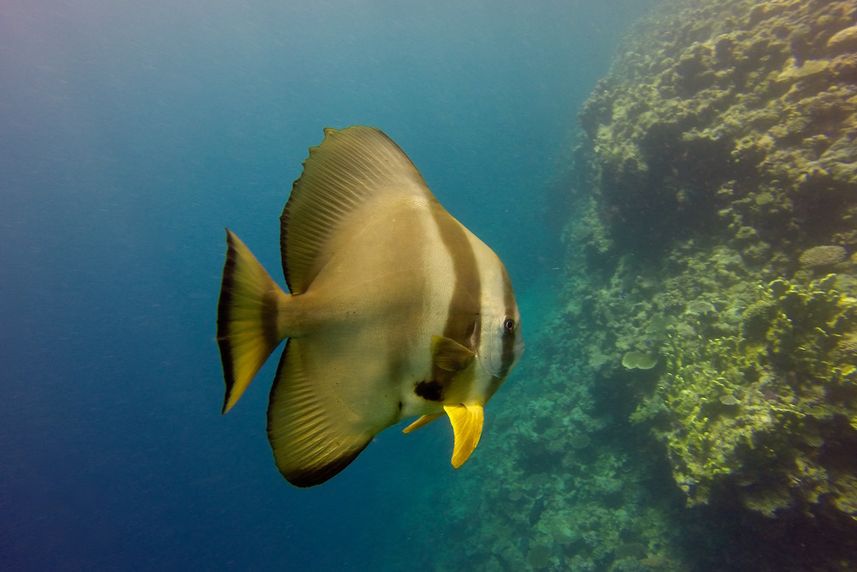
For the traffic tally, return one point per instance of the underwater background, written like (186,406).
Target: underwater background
(672,186)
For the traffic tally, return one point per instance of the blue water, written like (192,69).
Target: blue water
(132,133)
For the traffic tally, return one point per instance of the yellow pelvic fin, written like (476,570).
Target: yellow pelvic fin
(421,422)
(466,420)
(248,327)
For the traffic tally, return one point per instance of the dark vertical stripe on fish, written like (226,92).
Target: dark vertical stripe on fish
(462,321)
(269,318)
(224,304)
(508,355)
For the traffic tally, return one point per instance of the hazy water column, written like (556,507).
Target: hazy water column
(132,133)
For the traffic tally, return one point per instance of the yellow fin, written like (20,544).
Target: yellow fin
(450,355)
(421,422)
(247,318)
(314,433)
(466,420)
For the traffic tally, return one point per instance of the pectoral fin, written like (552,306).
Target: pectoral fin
(450,355)
(466,420)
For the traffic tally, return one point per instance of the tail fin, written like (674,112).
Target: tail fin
(248,327)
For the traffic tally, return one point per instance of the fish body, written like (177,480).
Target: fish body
(396,310)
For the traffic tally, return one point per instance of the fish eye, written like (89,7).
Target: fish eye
(509,325)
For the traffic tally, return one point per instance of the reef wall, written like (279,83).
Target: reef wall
(720,236)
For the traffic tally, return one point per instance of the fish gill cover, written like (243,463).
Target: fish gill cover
(715,232)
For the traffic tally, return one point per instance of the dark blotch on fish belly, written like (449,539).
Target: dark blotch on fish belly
(430,390)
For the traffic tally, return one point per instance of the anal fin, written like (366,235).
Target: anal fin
(313,430)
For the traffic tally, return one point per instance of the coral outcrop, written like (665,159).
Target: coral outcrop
(820,256)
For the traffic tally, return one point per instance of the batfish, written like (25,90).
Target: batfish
(395,310)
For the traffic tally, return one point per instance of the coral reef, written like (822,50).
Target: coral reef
(769,404)
(740,115)
(717,233)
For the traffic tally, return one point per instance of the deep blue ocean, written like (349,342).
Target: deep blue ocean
(131,134)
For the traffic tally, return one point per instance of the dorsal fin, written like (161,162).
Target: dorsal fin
(350,168)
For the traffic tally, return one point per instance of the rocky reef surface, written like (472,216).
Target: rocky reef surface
(721,234)
(693,402)
(724,157)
